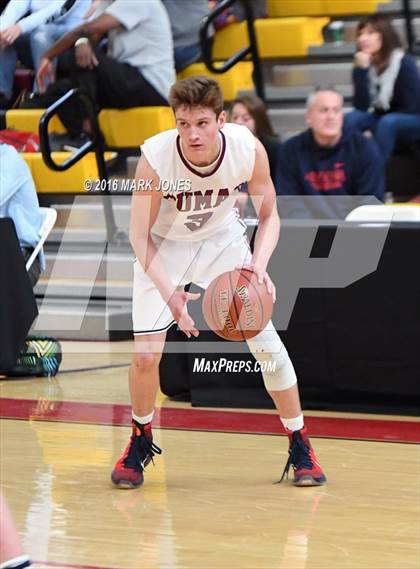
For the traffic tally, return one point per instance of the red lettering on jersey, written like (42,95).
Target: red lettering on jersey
(197,201)
(221,196)
(202,202)
(169,197)
(183,202)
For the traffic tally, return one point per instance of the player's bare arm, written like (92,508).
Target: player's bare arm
(145,207)
(263,195)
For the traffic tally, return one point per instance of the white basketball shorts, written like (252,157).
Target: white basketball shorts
(186,262)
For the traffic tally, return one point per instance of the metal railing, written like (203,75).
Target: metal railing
(250,50)
(412,41)
(94,143)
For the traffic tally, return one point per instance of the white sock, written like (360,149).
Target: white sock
(294,424)
(143,420)
(16,562)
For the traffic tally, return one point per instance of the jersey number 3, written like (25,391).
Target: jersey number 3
(197,220)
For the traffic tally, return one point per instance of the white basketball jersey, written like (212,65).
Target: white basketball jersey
(194,204)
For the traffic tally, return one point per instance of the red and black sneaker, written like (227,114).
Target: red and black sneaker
(307,471)
(128,472)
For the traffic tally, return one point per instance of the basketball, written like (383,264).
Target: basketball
(236,307)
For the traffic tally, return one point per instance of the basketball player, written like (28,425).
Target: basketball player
(185,229)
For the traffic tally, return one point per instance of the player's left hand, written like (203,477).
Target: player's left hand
(262,277)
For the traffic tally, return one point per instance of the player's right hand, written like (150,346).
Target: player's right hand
(178,306)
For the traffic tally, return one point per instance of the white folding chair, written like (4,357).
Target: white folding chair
(49,215)
(387,212)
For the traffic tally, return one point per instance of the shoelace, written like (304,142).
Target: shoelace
(299,457)
(142,450)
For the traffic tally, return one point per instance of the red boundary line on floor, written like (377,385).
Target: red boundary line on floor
(210,420)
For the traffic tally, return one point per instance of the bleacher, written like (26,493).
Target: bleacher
(295,57)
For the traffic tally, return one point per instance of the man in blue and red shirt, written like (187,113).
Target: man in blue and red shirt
(326,160)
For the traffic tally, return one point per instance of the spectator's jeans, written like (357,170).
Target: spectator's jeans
(186,55)
(388,129)
(8,57)
(38,41)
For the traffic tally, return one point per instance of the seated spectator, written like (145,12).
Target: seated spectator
(27,36)
(185,17)
(137,69)
(40,356)
(19,200)
(386,87)
(325,161)
(250,111)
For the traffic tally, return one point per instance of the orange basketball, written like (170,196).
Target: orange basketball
(236,307)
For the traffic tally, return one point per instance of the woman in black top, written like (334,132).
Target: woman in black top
(386,86)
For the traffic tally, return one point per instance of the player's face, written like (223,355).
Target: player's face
(198,129)
(325,116)
(241,115)
(369,40)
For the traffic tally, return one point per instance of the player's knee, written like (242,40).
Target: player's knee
(145,363)
(278,372)
(281,376)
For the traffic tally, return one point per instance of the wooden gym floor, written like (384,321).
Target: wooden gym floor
(210,501)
